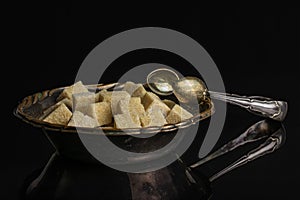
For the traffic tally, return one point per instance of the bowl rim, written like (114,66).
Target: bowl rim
(39,96)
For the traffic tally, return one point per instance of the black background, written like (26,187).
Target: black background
(256,49)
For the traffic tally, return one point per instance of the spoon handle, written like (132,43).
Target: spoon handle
(262,106)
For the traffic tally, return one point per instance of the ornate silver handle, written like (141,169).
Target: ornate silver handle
(262,106)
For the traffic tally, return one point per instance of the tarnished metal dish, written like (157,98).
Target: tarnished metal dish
(31,109)
(66,140)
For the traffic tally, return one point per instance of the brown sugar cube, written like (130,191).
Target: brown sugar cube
(124,108)
(104,95)
(78,87)
(133,105)
(130,87)
(97,97)
(135,118)
(82,100)
(154,118)
(100,111)
(67,102)
(169,103)
(80,120)
(152,102)
(61,115)
(113,98)
(145,120)
(135,90)
(134,108)
(158,105)
(148,98)
(47,111)
(135,100)
(178,114)
(123,121)
(116,97)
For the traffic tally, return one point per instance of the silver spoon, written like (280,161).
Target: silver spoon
(165,82)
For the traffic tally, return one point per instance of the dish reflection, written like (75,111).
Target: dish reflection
(64,178)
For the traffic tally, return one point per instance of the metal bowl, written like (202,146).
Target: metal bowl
(67,141)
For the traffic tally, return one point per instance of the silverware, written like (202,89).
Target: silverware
(165,82)
(275,141)
(257,131)
(275,133)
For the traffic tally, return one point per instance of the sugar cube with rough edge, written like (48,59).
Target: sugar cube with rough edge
(81,120)
(134,108)
(123,121)
(145,120)
(98,97)
(104,95)
(116,97)
(169,103)
(134,105)
(130,87)
(148,98)
(101,111)
(67,102)
(135,100)
(178,114)
(47,111)
(82,100)
(124,108)
(135,90)
(154,118)
(78,87)
(158,105)
(61,115)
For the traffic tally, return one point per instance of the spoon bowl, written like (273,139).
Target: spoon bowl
(188,88)
(161,80)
